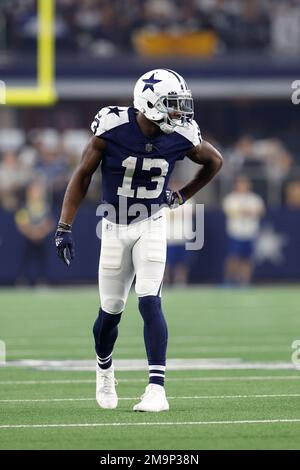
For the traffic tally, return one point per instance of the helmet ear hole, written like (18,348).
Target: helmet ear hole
(150,105)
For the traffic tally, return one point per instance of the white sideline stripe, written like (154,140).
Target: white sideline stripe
(166,423)
(171,379)
(197,397)
(124,364)
(141,364)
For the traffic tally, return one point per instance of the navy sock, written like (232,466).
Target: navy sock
(155,337)
(105,333)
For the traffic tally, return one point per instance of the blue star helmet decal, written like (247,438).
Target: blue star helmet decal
(115,110)
(150,82)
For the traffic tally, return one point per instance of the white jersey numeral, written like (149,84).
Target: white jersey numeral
(149,163)
(142,192)
(126,190)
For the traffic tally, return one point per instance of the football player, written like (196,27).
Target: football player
(137,148)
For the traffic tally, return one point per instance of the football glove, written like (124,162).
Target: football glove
(64,243)
(174,199)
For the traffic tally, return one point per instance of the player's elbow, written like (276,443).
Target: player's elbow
(212,156)
(216,161)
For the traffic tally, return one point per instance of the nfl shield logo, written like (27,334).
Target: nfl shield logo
(149,147)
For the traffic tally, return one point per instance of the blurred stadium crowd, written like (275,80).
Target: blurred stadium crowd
(50,156)
(41,154)
(108,27)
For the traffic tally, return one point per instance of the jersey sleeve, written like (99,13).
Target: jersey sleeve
(191,133)
(197,137)
(108,118)
(98,125)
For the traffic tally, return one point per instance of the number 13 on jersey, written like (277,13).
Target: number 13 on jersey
(142,192)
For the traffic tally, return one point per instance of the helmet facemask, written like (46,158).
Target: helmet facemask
(177,110)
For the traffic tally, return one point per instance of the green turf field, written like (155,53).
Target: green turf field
(233,408)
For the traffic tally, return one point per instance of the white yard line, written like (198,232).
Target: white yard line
(197,397)
(222,378)
(166,423)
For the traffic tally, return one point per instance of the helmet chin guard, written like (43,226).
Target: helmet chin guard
(166,128)
(163,97)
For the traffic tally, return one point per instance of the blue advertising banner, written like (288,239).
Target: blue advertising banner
(277,251)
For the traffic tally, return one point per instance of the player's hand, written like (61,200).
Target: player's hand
(64,243)
(174,199)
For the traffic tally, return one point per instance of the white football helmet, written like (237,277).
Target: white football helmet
(163,97)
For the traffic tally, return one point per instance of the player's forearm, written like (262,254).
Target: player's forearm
(75,193)
(201,179)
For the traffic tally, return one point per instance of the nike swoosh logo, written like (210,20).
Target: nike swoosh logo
(157,217)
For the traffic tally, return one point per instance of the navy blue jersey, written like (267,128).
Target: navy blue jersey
(135,168)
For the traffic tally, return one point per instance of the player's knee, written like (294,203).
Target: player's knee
(113,306)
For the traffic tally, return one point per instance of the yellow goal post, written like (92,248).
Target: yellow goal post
(43,93)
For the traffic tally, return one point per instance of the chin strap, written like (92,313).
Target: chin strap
(166,128)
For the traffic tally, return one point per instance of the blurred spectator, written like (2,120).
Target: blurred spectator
(180,230)
(274,154)
(13,178)
(243,210)
(270,156)
(285,30)
(237,154)
(293,194)
(51,165)
(35,223)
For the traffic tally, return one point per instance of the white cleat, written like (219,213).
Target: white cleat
(154,399)
(106,395)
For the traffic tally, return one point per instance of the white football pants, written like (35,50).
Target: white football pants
(132,250)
